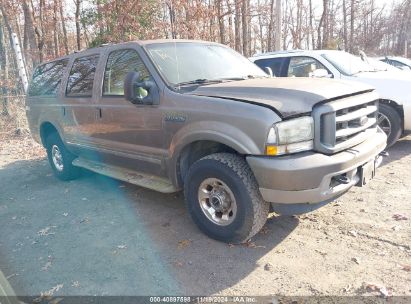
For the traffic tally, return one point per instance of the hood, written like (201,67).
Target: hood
(286,96)
(389,85)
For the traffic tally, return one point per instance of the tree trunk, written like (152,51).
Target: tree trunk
(63,25)
(4,68)
(311,25)
(55,30)
(352,26)
(29,44)
(270,34)
(326,28)
(220,16)
(77,21)
(237,25)
(244,13)
(345,34)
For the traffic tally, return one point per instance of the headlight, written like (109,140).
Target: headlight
(291,136)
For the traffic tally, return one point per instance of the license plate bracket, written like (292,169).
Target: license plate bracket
(367,173)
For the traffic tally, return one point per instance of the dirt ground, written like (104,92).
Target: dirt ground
(98,236)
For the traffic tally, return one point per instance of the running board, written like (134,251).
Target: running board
(140,179)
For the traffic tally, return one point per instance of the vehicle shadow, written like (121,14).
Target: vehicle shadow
(398,151)
(98,236)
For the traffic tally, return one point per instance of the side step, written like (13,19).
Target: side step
(140,179)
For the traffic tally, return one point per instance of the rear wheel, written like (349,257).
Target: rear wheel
(60,158)
(390,122)
(223,198)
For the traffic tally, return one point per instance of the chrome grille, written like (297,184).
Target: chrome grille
(344,123)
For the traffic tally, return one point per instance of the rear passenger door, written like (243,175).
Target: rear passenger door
(130,135)
(80,109)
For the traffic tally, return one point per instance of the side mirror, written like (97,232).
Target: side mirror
(320,73)
(269,71)
(144,92)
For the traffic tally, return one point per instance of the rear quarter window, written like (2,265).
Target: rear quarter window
(47,78)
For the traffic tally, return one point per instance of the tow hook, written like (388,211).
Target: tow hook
(378,161)
(342,179)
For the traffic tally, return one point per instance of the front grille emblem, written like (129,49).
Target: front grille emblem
(363,120)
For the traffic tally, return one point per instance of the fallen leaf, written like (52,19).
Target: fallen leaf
(250,244)
(50,292)
(265,230)
(399,217)
(381,289)
(46,231)
(355,260)
(406,267)
(75,284)
(353,233)
(183,244)
(347,288)
(268,267)
(47,266)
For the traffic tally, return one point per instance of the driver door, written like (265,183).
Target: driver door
(128,135)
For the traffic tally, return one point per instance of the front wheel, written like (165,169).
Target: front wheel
(223,198)
(390,122)
(60,158)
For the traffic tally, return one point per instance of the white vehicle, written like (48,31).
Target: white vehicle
(399,62)
(393,86)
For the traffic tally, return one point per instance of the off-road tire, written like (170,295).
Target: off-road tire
(233,170)
(395,121)
(69,172)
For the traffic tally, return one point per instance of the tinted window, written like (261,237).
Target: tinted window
(47,78)
(80,82)
(275,64)
(397,64)
(119,63)
(303,66)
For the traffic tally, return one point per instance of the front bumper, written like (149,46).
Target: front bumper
(310,177)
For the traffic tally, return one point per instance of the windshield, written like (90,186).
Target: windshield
(381,66)
(347,63)
(182,62)
(405,61)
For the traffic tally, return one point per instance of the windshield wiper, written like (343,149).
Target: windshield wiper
(199,81)
(362,71)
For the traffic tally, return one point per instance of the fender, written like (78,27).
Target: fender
(209,131)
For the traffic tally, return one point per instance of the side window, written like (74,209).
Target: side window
(80,82)
(119,63)
(46,79)
(303,66)
(275,64)
(397,64)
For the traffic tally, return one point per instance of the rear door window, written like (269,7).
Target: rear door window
(80,82)
(47,78)
(119,63)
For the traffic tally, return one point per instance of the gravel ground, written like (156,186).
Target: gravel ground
(98,236)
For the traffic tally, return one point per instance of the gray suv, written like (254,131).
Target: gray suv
(173,114)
